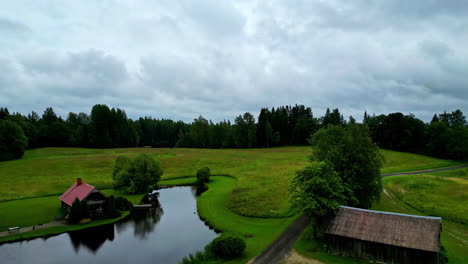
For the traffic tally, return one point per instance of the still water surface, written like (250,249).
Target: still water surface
(164,235)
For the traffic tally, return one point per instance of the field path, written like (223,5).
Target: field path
(425,171)
(35,227)
(281,248)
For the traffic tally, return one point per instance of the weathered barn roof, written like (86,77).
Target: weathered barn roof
(409,231)
(78,190)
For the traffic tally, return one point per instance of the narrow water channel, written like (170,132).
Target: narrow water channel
(163,236)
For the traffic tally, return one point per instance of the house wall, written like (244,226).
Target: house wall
(378,252)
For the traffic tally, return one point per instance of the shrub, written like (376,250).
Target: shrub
(203,175)
(202,257)
(228,246)
(443,255)
(122,204)
(75,212)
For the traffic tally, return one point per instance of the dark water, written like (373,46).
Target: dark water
(163,235)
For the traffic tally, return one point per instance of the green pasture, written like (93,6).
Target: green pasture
(431,195)
(405,162)
(263,174)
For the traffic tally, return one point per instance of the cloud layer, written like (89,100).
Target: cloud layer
(179,59)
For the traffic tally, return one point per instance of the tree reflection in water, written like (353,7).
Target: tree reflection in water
(145,221)
(92,238)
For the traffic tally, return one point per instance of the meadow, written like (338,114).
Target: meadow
(263,174)
(253,202)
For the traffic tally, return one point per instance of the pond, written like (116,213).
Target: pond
(163,235)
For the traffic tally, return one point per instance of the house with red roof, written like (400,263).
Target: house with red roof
(84,192)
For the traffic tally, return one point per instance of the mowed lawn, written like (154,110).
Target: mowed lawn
(263,175)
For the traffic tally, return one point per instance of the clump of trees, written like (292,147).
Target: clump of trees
(346,171)
(355,158)
(203,175)
(446,136)
(13,142)
(136,175)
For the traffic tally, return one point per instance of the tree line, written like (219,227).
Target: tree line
(446,136)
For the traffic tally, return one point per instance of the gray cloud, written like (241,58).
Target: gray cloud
(179,59)
(12,26)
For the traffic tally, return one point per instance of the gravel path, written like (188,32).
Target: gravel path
(31,228)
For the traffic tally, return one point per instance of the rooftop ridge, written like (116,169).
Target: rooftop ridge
(391,213)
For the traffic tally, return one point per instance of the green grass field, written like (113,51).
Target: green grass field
(254,203)
(263,174)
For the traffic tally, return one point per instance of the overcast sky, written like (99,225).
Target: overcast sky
(179,59)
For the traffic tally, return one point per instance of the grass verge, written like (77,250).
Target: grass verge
(51,231)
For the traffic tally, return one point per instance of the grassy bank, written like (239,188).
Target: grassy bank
(51,231)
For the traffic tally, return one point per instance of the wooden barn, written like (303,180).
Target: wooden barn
(83,191)
(383,236)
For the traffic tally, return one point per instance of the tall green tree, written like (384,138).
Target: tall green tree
(354,157)
(13,142)
(318,189)
(99,127)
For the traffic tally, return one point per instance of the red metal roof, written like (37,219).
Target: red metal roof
(80,191)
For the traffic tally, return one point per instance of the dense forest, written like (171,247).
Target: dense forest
(446,136)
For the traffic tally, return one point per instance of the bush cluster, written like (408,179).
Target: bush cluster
(228,245)
(203,175)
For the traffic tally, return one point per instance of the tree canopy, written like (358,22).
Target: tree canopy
(137,175)
(354,157)
(317,190)
(13,142)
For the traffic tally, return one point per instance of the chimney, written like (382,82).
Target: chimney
(78,181)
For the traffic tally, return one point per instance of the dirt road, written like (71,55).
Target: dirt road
(282,246)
